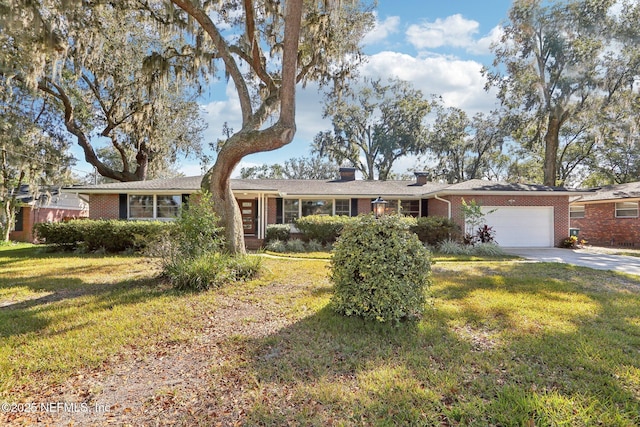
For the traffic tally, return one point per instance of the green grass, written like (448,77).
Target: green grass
(502,343)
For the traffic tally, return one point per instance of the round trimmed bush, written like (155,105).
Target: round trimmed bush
(380,270)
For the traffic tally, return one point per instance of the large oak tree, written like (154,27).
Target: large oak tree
(557,59)
(374,125)
(266,48)
(96,65)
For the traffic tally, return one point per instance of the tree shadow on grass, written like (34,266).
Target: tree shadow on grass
(34,314)
(548,360)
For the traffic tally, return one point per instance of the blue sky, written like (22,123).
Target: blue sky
(438,46)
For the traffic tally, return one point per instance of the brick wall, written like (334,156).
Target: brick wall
(271,210)
(33,216)
(560,208)
(437,208)
(364,206)
(601,227)
(104,206)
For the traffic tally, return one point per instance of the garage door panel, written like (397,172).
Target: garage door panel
(520,226)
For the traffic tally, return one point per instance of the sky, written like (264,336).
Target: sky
(438,46)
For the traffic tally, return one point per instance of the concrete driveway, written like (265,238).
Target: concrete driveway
(580,257)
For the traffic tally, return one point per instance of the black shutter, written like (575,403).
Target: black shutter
(424,207)
(185,200)
(123,199)
(279,211)
(19,224)
(354,207)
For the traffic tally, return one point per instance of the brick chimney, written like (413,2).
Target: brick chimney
(347,174)
(421,177)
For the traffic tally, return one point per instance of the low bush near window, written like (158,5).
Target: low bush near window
(103,235)
(295,245)
(435,229)
(380,270)
(276,246)
(280,232)
(324,229)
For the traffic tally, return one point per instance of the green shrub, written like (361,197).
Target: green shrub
(323,228)
(211,270)
(280,232)
(197,228)
(488,249)
(380,270)
(452,247)
(314,246)
(276,246)
(435,229)
(104,235)
(192,256)
(296,245)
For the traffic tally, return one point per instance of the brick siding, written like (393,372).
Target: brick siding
(601,227)
(104,206)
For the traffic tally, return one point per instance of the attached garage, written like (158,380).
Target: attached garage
(521,226)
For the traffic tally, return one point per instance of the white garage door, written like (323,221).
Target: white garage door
(520,226)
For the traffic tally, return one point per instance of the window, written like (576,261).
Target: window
(148,206)
(627,210)
(343,207)
(410,208)
(140,207)
(405,207)
(317,207)
(576,211)
(291,210)
(168,206)
(296,208)
(392,207)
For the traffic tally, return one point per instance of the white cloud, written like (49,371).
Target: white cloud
(459,82)
(454,30)
(216,113)
(382,30)
(483,45)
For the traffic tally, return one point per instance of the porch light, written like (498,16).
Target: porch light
(379,206)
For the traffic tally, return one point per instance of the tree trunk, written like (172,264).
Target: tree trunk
(218,179)
(10,218)
(551,142)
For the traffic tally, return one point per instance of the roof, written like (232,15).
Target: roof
(308,187)
(479,185)
(630,190)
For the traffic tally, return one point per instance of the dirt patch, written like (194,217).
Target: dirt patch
(172,384)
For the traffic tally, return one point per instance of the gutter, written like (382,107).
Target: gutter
(448,205)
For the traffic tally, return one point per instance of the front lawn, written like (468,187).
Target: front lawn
(502,343)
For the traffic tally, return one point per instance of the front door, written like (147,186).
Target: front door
(248,212)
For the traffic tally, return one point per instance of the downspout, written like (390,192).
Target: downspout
(448,202)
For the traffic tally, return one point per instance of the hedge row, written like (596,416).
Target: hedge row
(326,229)
(322,228)
(108,235)
(436,229)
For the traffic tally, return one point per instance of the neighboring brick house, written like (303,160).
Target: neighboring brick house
(50,206)
(522,215)
(608,216)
